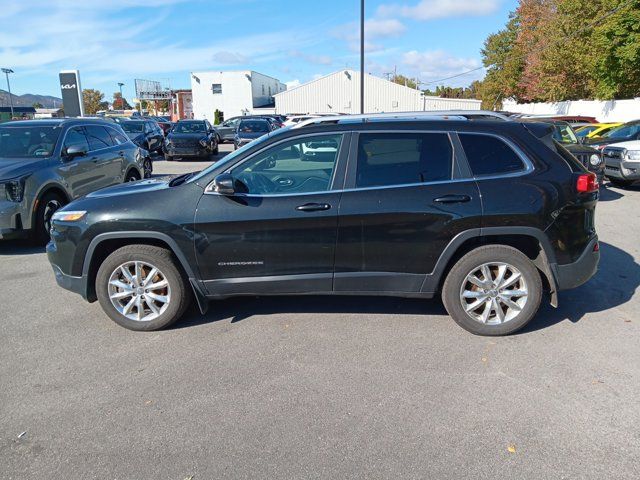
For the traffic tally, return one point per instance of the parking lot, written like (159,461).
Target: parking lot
(323,387)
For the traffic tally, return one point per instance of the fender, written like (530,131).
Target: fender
(193,280)
(545,262)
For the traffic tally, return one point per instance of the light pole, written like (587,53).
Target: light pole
(361,56)
(120,84)
(7,71)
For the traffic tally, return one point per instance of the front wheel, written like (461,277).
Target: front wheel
(140,287)
(132,176)
(216,149)
(493,290)
(47,206)
(148,168)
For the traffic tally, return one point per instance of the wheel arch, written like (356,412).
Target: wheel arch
(105,244)
(45,189)
(529,240)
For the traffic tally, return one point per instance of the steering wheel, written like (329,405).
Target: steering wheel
(257,182)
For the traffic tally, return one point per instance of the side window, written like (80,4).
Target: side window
(216,88)
(298,166)
(489,155)
(386,159)
(98,137)
(76,138)
(118,138)
(147,127)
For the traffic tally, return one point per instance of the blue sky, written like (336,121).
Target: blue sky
(112,41)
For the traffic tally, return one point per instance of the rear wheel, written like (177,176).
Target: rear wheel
(493,290)
(216,149)
(140,287)
(47,206)
(132,176)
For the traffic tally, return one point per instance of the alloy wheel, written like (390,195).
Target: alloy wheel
(139,291)
(50,208)
(494,293)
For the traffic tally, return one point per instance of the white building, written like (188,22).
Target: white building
(232,93)
(339,92)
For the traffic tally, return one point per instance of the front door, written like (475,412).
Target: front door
(80,173)
(403,208)
(277,234)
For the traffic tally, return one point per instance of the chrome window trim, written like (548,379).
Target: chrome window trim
(525,171)
(209,188)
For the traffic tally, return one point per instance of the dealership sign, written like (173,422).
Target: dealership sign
(71,93)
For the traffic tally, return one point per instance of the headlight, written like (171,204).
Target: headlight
(13,190)
(595,159)
(633,155)
(70,216)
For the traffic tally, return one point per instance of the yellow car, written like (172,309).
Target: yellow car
(595,129)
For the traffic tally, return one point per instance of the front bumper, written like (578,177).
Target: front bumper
(11,219)
(198,151)
(73,284)
(615,168)
(574,274)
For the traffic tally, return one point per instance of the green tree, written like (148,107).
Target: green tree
(37,105)
(402,80)
(216,117)
(119,102)
(91,99)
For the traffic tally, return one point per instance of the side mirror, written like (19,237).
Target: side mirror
(224,184)
(75,151)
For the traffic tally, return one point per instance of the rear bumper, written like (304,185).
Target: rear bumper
(574,274)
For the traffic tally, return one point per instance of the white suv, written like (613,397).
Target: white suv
(622,162)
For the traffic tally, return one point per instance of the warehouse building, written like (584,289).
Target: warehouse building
(232,93)
(339,92)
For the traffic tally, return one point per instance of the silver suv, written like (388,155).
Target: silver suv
(45,164)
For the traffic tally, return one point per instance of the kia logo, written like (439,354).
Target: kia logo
(68,86)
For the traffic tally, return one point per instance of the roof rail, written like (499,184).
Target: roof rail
(421,115)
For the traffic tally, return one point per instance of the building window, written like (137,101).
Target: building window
(216,88)
(263,89)
(269,90)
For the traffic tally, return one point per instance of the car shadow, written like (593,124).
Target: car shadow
(19,247)
(607,193)
(237,309)
(614,284)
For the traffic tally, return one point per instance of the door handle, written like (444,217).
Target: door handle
(313,207)
(452,199)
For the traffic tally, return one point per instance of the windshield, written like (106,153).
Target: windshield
(564,134)
(624,131)
(28,142)
(132,127)
(230,158)
(190,127)
(584,131)
(253,126)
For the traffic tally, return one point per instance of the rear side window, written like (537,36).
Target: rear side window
(386,159)
(98,137)
(489,155)
(118,138)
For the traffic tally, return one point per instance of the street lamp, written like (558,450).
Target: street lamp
(361,56)
(120,84)
(7,71)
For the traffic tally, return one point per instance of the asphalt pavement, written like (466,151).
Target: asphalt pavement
(311,387)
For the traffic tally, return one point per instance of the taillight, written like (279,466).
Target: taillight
(587,182)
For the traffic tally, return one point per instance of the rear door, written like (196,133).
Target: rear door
(404,201)
(106,156)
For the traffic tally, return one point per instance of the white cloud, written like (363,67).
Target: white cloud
(433,65)
(292,83)
(374,29)
(225,57)
(432,9)
(315,59)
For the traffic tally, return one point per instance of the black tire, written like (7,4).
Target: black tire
(621,183)
(148,168)
(132,176)
(47,206)
(216,150)
(168,158)
(163,259)
(457,277)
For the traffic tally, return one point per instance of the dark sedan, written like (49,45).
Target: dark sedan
(191,138)
(144,133)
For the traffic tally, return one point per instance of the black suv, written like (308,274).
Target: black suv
(45,164)
(486,214)
(191,138)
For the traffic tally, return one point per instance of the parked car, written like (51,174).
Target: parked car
(191,138)
(45,164)
(164,124)
(144,133)
(574,118)
(622,163)
(293,120)
(586,155)
(482,213)
(250,129)
(227,129)
(625,133)
(595,130)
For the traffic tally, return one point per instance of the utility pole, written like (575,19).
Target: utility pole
(361,56)
(7,71)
